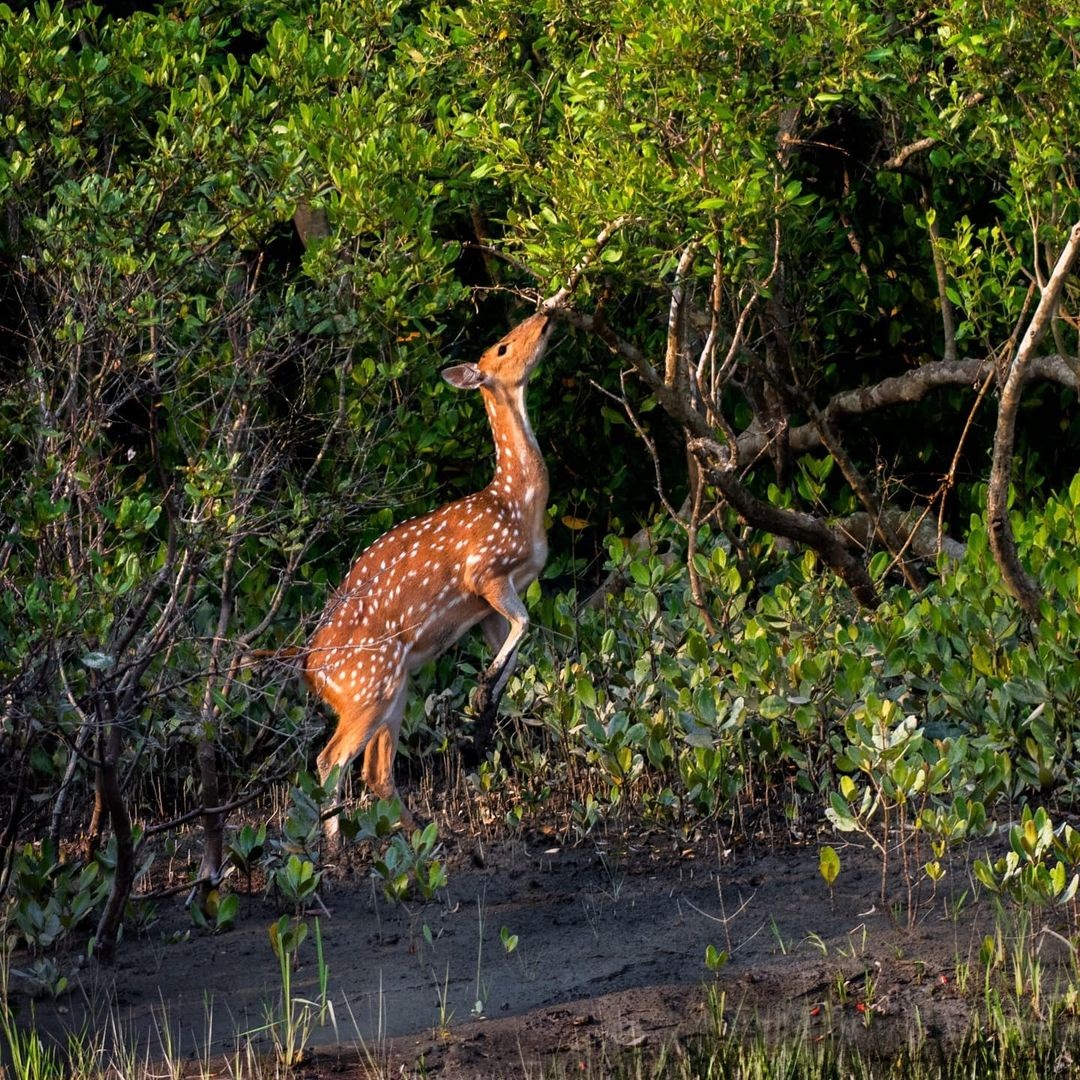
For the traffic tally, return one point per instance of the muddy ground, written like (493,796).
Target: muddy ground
(611,947)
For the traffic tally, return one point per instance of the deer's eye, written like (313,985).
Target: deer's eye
(502,350)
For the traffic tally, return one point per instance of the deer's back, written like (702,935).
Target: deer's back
(416,590)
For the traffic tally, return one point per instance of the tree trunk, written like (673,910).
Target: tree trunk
(214,821)
(111,798)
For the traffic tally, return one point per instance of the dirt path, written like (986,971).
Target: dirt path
(610,953)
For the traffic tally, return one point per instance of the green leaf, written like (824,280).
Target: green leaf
(715,958)
(696,647)
(773,707)
(986,876)
(829,865)
(585,692)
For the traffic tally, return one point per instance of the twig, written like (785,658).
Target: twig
(558,299)
(171,890)
(948,318)
(643,435)
(199,811)
(950,477)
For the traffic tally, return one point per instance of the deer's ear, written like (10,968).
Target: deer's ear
(464,376)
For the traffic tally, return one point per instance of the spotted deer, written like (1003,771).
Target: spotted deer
(427,581)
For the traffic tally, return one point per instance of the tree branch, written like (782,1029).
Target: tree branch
(909,388)
(558,299)
(948,318)
(913,529)
(919,146)
(899,159)
(674,363)
(804,528)
(1020,582)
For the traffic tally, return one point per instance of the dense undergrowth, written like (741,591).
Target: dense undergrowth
(773,714)
(915,726)
(932,715)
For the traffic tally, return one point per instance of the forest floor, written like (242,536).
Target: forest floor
(610,956)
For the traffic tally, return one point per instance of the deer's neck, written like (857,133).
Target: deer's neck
(520,474)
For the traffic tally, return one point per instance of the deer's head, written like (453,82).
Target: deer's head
(509,362)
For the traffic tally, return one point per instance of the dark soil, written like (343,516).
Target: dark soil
(610,957)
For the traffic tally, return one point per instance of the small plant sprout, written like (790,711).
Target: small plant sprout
(412,861)
(829,867)
(218,913)
(291,1028)
(866,1006)
(481,988)
(246,848)
(509,941)
(1035,871)
(442,994)
(715,958)
(393,869)
(374,821)
(298,880)
(778,935)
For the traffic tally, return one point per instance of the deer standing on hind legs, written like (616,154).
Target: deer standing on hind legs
(423,584)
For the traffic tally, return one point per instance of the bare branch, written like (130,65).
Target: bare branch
(804,528)
(201,811)
(559,298)
(1023,586)
(911,387)
(899,159)
(676,337)
(858,484)
(949,480)
(911,526)
(919,146)
(645,438)
(948,318)
(908,388)
(707,392)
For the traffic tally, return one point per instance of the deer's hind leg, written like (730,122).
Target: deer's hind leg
(371,727)
(379,758)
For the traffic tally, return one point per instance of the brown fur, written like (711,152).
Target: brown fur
(427,581)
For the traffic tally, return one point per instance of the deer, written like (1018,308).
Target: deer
(423,584)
